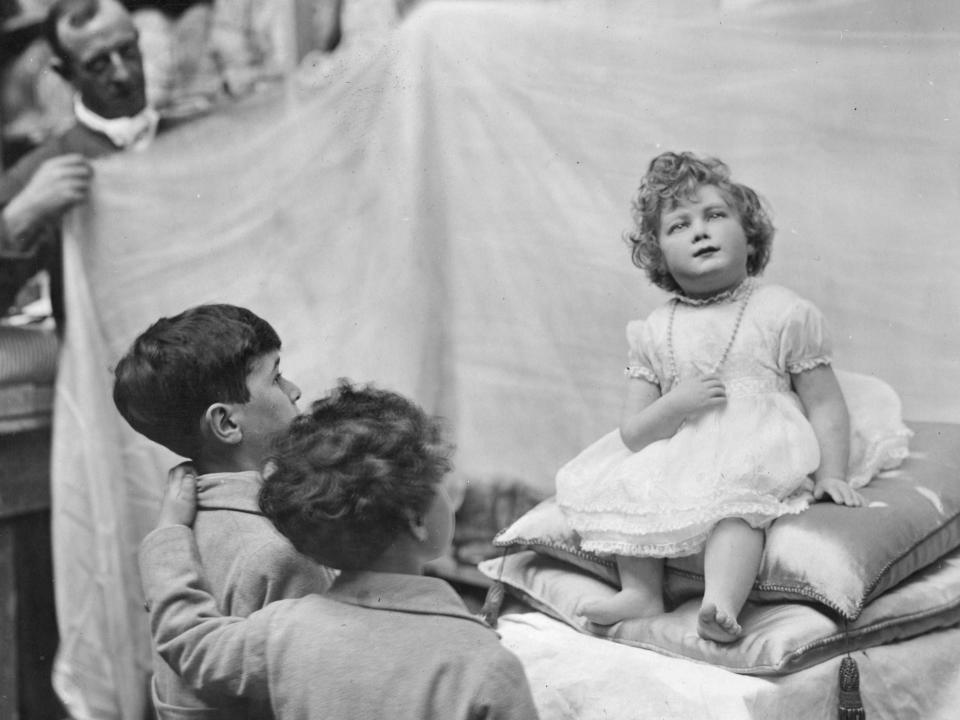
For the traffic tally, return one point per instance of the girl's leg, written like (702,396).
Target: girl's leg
(730,566)
(641,580)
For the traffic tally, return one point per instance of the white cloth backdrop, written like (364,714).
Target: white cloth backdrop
(447,219)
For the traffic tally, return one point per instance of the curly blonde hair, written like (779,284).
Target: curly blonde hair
(673,177)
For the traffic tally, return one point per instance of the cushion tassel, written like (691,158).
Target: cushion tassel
(850,705)
(490,611)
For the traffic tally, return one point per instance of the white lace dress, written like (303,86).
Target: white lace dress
(750,458)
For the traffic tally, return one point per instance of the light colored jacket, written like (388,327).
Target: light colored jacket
(376,646)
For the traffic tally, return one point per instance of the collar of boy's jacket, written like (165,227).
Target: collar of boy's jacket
(417,594)
(229,491)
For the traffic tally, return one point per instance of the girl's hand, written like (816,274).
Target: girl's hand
(693,396)
(837,490)
(179,505)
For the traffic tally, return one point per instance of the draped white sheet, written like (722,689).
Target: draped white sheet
(446,218)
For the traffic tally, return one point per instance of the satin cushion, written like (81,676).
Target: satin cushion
(778,638)
(837,557)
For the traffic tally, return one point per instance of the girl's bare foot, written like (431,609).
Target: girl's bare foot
(625,605)
(715,624)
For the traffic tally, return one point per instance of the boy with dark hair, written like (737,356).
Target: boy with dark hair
(356,484)
(207,385)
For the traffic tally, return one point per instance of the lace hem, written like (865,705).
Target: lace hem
(604,540)
(671,520)
(576,496)
(808,364)
(627,549)
(639,372)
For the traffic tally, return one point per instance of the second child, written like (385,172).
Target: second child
(356,484)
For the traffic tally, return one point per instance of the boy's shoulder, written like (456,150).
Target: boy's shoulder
(448,636)
(242,538)
(257,568)
(229,518)
(247,562)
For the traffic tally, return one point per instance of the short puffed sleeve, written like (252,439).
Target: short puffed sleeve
(639,361)
(804,339)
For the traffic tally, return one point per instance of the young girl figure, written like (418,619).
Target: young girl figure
(731,404)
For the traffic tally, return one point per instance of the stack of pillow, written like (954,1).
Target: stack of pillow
(832,578)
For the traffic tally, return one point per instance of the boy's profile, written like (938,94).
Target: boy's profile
(355,484)
(207,385)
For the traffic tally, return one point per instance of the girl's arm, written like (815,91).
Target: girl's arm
(649,416)
(827,411)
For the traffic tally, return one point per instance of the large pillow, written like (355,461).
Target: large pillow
(878,438)
(778,638)
(836,556)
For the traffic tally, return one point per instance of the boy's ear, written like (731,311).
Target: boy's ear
(221,426)
(61,68)
(417,527)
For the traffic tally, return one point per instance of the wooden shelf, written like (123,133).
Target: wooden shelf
(28,629)
(24,473)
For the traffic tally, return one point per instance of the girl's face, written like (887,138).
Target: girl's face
(703,243)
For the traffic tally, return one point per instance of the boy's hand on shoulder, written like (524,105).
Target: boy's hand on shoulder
(179,505)
(838,490)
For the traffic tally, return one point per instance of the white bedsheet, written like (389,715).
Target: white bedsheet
(446,218)
(577,677)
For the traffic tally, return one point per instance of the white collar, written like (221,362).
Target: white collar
(135,133)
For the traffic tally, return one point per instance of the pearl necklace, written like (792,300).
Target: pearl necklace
(674,373)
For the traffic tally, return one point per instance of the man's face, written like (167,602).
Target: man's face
(105,67)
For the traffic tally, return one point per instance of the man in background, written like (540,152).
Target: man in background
(96,50)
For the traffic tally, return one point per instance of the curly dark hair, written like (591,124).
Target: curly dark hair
(181,365)
(344,479)
(672,177)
